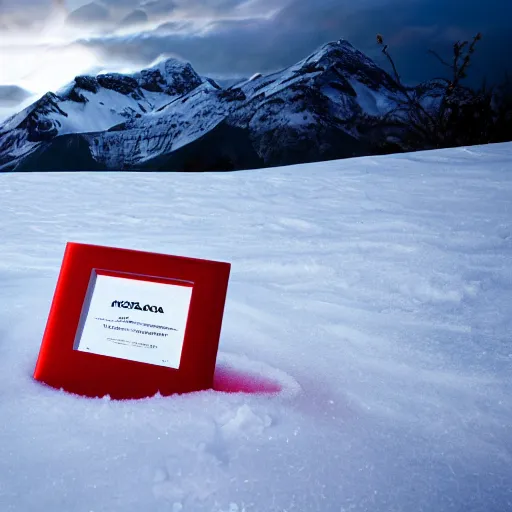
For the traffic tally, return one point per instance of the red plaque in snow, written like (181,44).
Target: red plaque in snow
(129,324)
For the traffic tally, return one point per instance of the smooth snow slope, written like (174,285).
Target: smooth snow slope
(376,293)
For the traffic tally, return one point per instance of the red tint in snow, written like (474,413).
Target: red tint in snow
(230,380)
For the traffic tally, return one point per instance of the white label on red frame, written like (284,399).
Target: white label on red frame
(133,319)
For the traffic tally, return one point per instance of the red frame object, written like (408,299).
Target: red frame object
(61,366)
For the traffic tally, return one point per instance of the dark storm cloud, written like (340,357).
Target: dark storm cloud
(135,17)
(229,47)
(16,14)
(247,36)
(89,14)
(173,27)
(411,29)
(244,46)
(213,7)
(12,95)
(192,7)
(158,7)
(125,4)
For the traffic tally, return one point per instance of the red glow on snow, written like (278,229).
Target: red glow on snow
(229,380)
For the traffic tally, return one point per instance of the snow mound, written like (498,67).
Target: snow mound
(365,359)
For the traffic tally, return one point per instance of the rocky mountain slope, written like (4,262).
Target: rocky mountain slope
(170,118)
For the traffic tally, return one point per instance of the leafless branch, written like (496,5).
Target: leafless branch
(439,58)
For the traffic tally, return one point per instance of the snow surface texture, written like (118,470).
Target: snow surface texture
(370,299)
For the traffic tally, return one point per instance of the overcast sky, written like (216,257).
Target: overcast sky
(241,37)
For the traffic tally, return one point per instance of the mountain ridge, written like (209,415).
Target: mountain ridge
(139,121)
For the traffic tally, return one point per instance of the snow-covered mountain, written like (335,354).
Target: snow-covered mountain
(170,118)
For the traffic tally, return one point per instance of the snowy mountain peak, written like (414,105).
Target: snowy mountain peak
(163,116)
(171,67)
(172,76)
(348,62)
(340,47)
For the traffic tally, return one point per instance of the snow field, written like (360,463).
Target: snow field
(368,323)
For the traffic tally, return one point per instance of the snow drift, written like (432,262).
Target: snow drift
(365,360)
